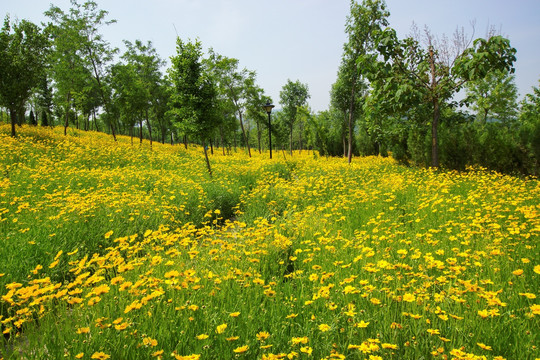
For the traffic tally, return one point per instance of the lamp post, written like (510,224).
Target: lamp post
(268,107)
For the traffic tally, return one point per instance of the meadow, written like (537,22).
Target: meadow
(119,250)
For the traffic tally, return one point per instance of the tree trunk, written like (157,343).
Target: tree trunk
(301,129)
(211,147)
(259,136)
(436,112)
(94,118)
(172,140)
(434,135)
(13,116)
(207,160)
(20,116)
(185,141)
(222,142)
(66,122)
(149,127)
(244,133)
(351,114)
(140,130)
(290,138)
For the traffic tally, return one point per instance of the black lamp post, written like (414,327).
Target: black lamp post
(268,107)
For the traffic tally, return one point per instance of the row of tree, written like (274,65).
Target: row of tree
(67,73)
(391,95)
(399,96)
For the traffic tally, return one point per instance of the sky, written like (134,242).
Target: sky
(300,39)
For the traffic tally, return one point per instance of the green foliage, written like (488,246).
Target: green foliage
(195,93)
(493,96)
(412,74)
(23,48)
(292,96)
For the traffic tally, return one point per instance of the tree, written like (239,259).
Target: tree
(234,84)
(81,50)
(363,26)
(412,74)
(494,95)
(45,101)
(146,63)
(129,94)
(23,48)
(194,96)
(292,96)
(529,117)
(255,110)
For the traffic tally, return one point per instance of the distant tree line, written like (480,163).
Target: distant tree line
(391,96)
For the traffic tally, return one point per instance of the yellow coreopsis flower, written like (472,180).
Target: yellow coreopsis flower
(220,329)
(324,327)
(362,324)
(99,355)
(263,335)
(241,349)
(83,330)
(484,346)
(409,297)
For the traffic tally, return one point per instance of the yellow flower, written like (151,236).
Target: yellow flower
(535,309)
(483,313)
(537,269)
(220,329)
(79,356)
(306,349)
(528,295)
(484,346)
(83,330)
(263,335)
(202,337)
(148,341)
(409,297)
(362,324)
(299,340)
(241,349)
(433,331)
(517,272)
(121,326)
(108,234)
(157,353)
(99,355)
(324,327)
(234,314)
(375,301)
(187,357)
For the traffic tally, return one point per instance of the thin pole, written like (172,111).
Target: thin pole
(270,135)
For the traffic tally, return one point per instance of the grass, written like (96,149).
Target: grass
(120,251)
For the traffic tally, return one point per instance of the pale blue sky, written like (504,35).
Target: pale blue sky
(300,39)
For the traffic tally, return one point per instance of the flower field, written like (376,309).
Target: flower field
(121,251)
